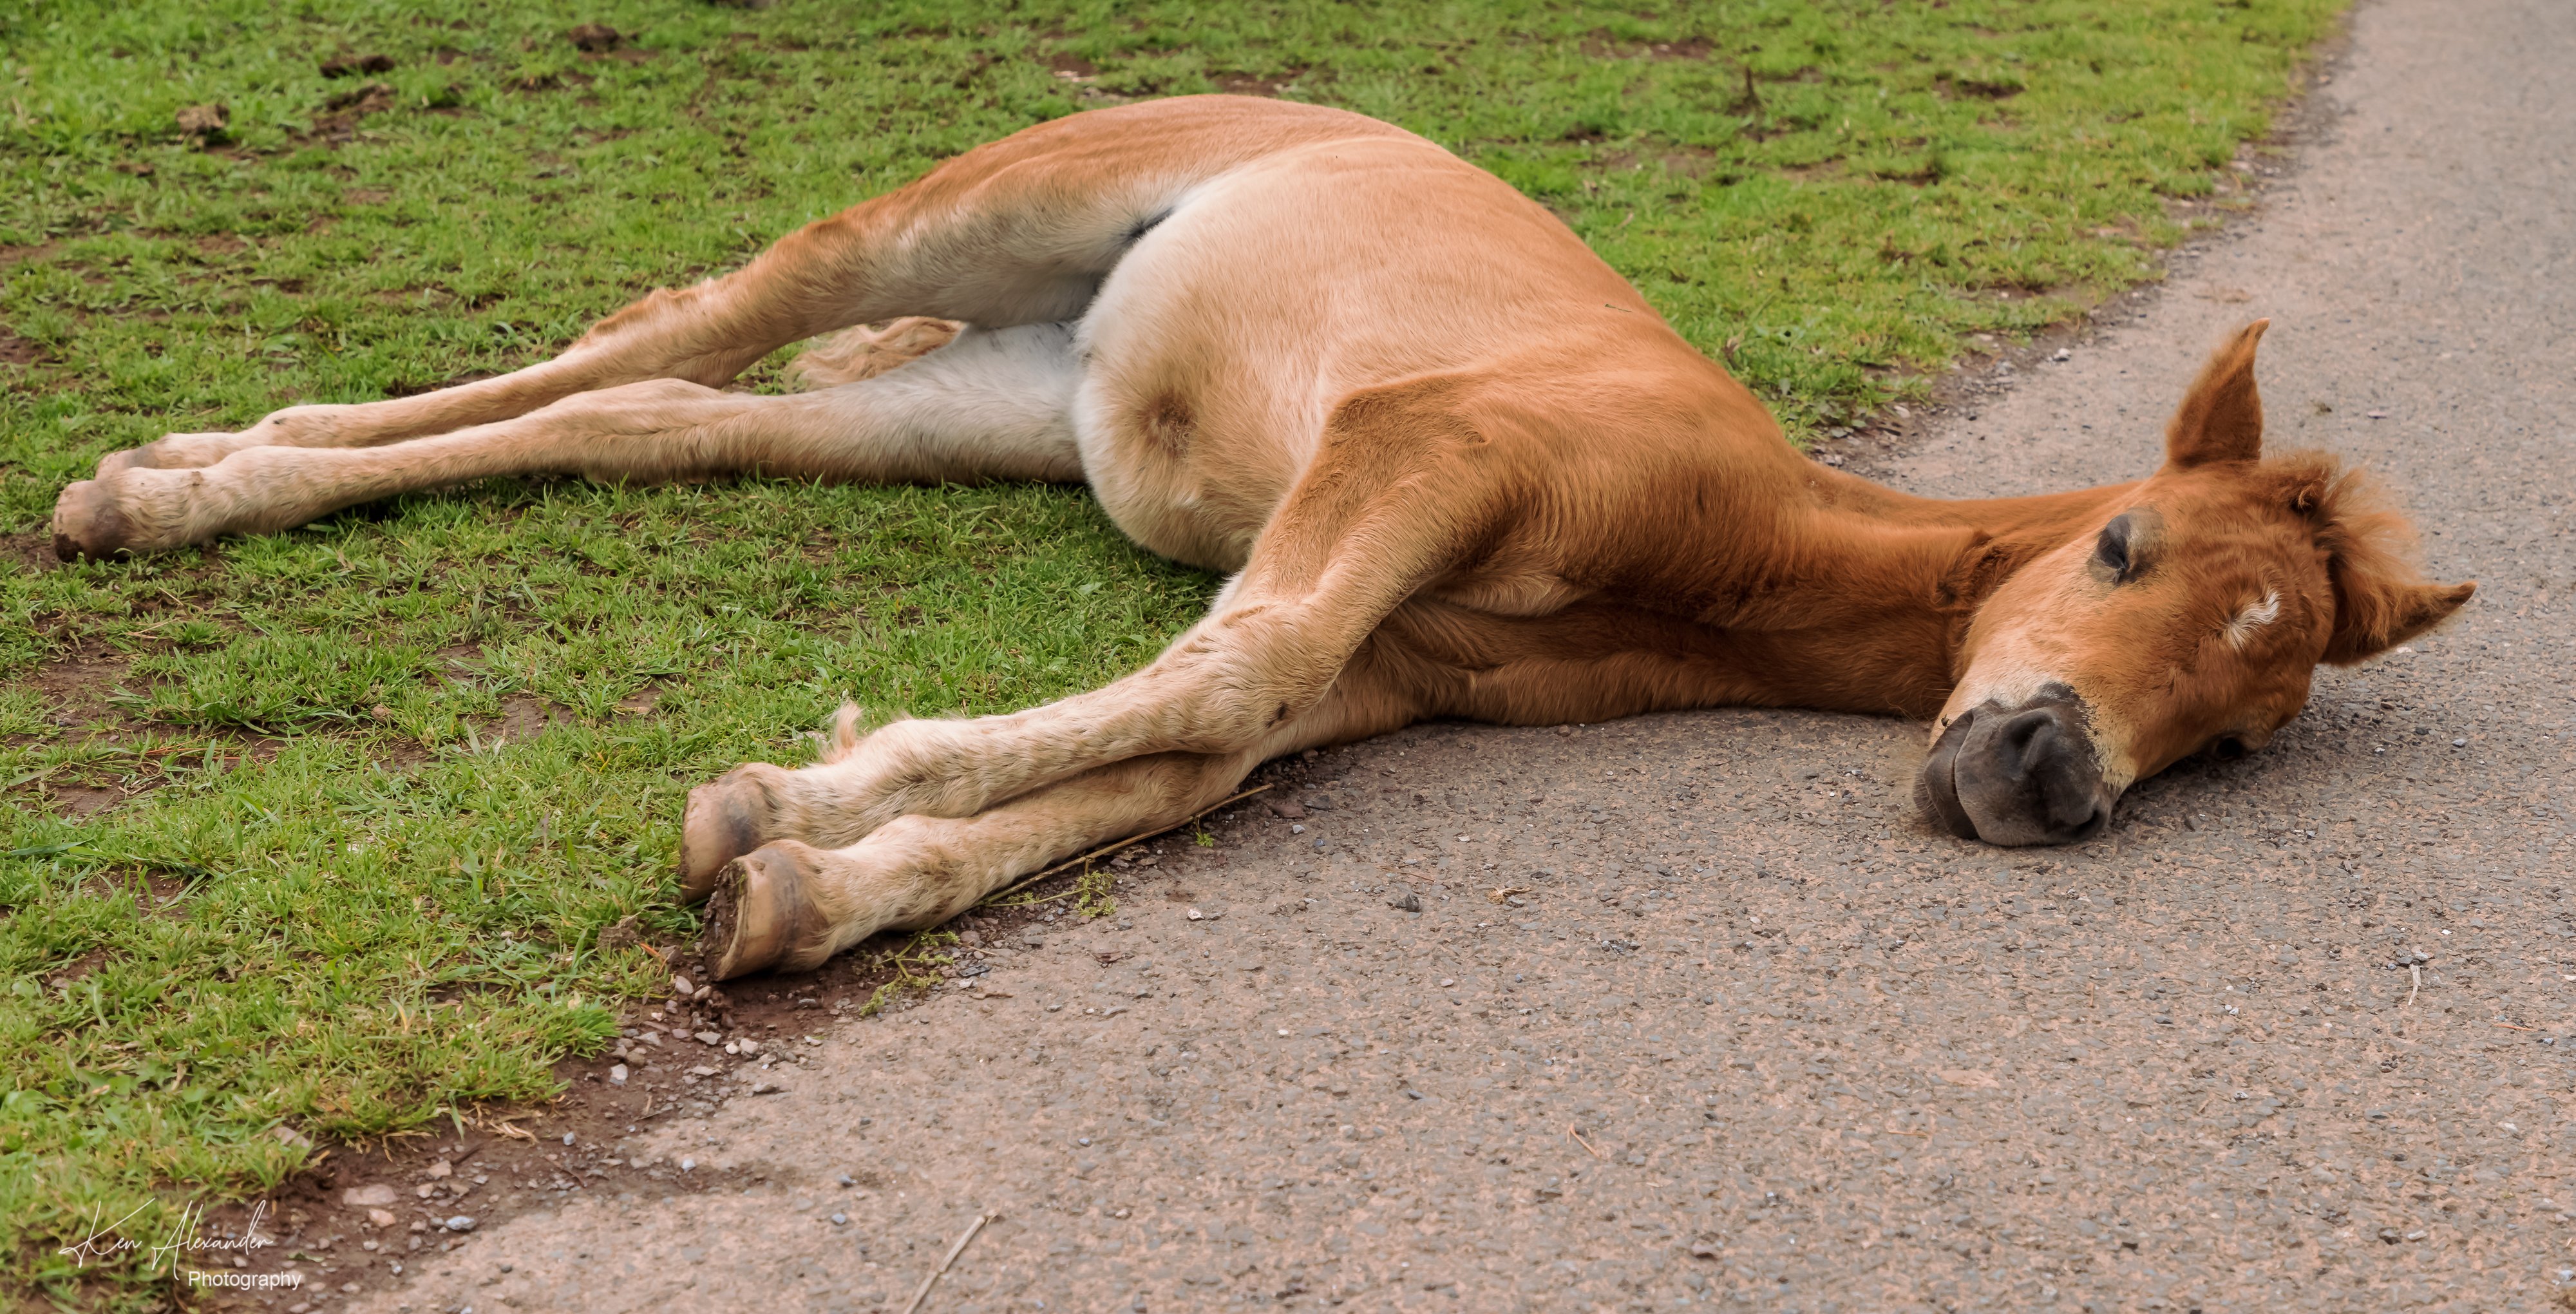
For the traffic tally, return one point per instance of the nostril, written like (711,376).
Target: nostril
(2031,741)
(2095,819)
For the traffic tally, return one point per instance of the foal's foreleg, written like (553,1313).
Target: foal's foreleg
(789,905)
(792,903)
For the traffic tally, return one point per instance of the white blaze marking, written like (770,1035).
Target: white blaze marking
(2240,631)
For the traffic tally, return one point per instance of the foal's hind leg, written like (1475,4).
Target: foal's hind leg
(1018,231)
(990,405)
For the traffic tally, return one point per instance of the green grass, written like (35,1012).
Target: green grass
(341,898)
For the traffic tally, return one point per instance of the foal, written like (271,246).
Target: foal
(1454,464)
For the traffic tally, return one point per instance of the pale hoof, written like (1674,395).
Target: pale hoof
(761,917)
(87,522)
(724,820)
(146,457)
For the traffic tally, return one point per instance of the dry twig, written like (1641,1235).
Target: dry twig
(1578,1139)
(922,1292)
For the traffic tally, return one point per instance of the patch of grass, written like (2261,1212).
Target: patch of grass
(354,801)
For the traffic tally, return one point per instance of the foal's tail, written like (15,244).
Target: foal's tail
(845,734)
(865,351)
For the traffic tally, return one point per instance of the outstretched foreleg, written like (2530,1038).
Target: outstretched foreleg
(790,904)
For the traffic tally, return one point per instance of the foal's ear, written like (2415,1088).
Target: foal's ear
(2381,599)
(2221,418)
(2375,613)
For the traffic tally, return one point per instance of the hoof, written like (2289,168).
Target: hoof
(724,821)
(146,457)
(87,522)
(762,918)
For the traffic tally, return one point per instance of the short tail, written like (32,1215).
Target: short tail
(865,351)
(845,734)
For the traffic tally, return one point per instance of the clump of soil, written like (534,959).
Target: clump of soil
(352,65)
(206,123)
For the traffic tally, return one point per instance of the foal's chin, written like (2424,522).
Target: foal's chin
(2019,775)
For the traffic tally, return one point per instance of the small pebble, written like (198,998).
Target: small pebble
(460,1223)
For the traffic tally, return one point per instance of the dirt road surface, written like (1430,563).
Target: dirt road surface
(2294,1036)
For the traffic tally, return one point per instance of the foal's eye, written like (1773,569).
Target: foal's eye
(2228,748)
(2111,551)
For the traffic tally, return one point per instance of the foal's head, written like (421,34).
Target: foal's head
(2188,614)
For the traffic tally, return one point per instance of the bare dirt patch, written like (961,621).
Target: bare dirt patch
(79,684)
(338,122)
(70,973)
(32,551)
(407,388)
(343,66)
(642,701)
(78,802)
(16,350)
(1256,84)
(367,1212)
(154,892)
(1602,45)
(525,719)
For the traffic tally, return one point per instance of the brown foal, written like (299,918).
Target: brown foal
(1453,463)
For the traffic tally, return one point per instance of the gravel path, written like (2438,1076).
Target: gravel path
(1755,1036)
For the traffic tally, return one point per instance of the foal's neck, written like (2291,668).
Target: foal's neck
(1871,589)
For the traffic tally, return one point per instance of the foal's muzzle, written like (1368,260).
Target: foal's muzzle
(2019,775)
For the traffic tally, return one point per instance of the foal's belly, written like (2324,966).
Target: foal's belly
(1219,345)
